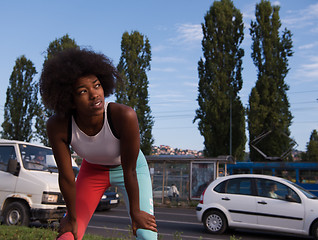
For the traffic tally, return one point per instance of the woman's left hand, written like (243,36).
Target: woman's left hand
(143,220)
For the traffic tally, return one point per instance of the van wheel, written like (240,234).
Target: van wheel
(314,230)
(215,222)
(16,213)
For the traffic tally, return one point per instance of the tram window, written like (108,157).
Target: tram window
(308,176)
(241,171)
(287,174)
(263,171)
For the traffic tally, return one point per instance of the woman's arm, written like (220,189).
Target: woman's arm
(57,133)
(126,126)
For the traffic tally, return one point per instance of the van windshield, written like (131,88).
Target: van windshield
(37,158)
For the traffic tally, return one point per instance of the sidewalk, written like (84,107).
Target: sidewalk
(181,204)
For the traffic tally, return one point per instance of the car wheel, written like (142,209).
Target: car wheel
(16,213)
(215,222)
(314,230)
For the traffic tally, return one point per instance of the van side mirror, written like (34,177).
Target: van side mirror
(13,167)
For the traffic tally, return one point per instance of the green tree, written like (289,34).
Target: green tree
(133,89)
(221,113)
(268,110)
(21,102)
(43,114)
(312,147)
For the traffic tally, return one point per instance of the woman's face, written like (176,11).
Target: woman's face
(88,96)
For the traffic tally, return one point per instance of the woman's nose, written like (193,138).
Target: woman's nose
(92,94)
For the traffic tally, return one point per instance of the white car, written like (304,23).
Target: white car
(157,192)
(258,202)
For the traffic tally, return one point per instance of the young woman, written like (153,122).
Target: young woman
(74,84)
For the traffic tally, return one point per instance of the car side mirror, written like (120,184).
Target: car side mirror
(13,167)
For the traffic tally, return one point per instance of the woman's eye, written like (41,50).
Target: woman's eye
(83,91)
(97,85)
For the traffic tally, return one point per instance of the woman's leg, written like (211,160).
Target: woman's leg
(145,192)
(91,183)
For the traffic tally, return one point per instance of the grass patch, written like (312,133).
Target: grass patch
(27,233)
(34,233)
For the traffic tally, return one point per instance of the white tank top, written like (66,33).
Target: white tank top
(102,148)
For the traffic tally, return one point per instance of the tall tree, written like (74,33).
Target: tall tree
(268,110)
(312,147)
(54,47)
(133,89)
(21,102)
(221,113)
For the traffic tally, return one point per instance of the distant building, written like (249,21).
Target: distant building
(167,150)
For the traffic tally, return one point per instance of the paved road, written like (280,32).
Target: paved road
(173,223)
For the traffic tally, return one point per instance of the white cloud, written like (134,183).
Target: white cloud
(188,34)
(193,76)
(167,60)
(167,69)
(308,46)
(313,10)
(311,69)
(276,3)
(308,72)
(191,84)
(169,97)
(248,13)
(302,17)
(158,48)
(153,85)
(314,30)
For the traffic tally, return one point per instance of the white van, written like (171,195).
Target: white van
(29,189)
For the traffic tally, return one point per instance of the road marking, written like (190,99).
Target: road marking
(108,228)
(167,213)
(187,236)
(160,234)
(157,220)
(169,221)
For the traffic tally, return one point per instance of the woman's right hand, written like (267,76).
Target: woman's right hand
(67,225)
(143,220)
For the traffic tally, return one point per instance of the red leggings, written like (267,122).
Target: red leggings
(92,182)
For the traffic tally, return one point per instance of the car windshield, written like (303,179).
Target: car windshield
(37,158)
(304,191)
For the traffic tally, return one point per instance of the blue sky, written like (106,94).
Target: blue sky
(174,30)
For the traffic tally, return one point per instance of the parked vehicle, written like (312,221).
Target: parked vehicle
(29,187)
(258,202)
(304,174)
(157,192)
(109,200)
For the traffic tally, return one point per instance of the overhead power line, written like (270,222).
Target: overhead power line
(307,91)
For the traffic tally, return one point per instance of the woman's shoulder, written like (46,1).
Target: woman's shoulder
(124,119)
(121,111)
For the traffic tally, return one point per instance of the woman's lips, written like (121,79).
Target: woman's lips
(97,104)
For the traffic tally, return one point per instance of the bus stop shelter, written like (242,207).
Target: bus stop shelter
(190,174)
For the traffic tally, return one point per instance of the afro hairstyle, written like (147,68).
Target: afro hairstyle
(60,73)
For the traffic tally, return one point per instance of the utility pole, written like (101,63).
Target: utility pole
(230,124)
